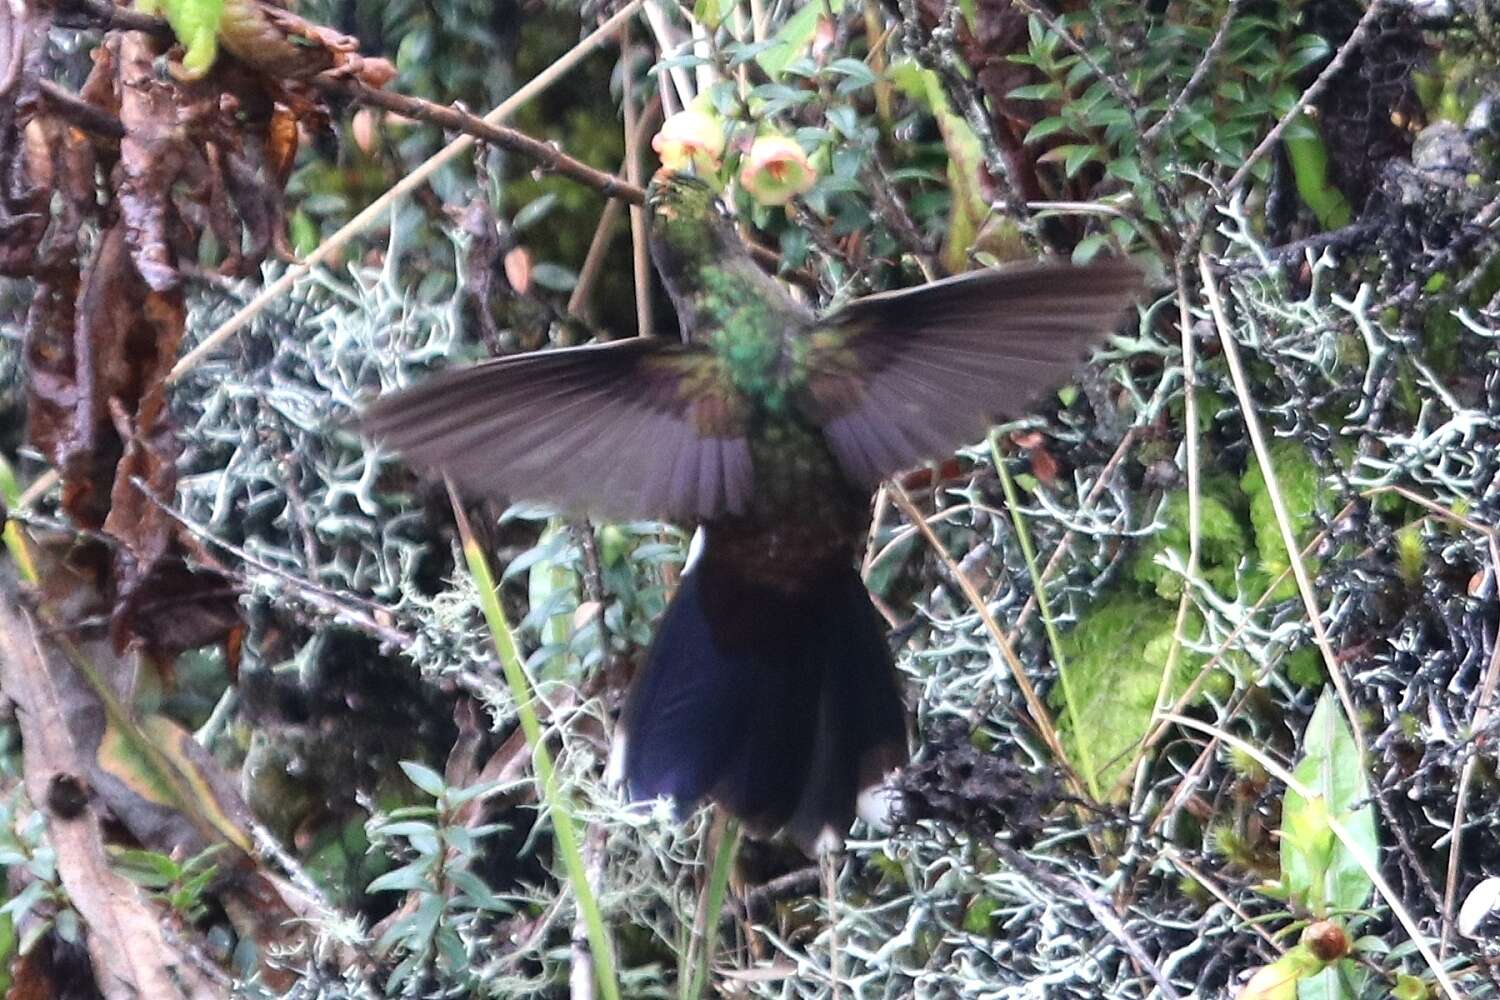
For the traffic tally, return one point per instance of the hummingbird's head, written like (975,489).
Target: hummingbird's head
(685,222)
(676,192)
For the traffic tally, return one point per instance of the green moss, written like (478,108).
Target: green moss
(1411,552)
(980,915)
(1115,655)
(1304,667)
(1304,494)
(1222,540)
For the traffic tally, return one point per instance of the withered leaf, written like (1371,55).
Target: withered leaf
(281,44)
(130,955)
(23,198)
(153,155)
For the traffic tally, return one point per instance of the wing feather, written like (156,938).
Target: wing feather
(904,376)
(613,430)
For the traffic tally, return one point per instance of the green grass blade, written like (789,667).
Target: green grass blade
(564,828)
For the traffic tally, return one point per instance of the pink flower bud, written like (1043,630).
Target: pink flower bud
(690,138)
(776,170)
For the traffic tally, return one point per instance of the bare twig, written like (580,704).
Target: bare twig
(1195,516)
(547,154)
(639,255)
(76,111)
(335,605)
(1040,717)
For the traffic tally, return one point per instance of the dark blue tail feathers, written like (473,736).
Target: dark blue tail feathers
(782,707)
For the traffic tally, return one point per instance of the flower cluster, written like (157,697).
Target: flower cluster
(774,169)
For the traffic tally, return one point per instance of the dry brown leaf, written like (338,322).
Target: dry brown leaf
(281,44)
(127,946)
(153,156)
(282,139)
(1043,464)
(518,270)
(23,195)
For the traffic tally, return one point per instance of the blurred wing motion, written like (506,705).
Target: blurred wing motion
(904,376)
(631,429)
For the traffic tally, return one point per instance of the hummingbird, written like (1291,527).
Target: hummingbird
(769,687)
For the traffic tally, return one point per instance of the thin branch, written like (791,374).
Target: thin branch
(547,154)
(640,256)
(1195,518)
(1040,717)
(335,605)
(76,111)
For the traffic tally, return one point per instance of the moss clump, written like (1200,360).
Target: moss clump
(1222,540)
(1115,658)
(1303,492)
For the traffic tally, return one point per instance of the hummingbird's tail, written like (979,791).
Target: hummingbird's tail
(783,708)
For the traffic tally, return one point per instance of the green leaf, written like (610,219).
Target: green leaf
(1080,155)
(1307,50)
(554,277)
(1127,169)
(1309,159)
(1088,248)
(1315,864)
(708,13)
(857,74)
(1409,987)
(792,40)
(1044,128)
(534,211)
(553,586)
(408,828)
(1333,983)
(404,879)
(424,778)
(481,895)
(1036,92)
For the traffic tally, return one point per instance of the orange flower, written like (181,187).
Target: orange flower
(777,170)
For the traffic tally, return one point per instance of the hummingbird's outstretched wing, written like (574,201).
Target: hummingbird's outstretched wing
(630,429)
(900,377)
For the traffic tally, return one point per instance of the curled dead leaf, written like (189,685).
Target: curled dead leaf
(518,270)
(23,193)
(364,127)
(153,156)
(282,44)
